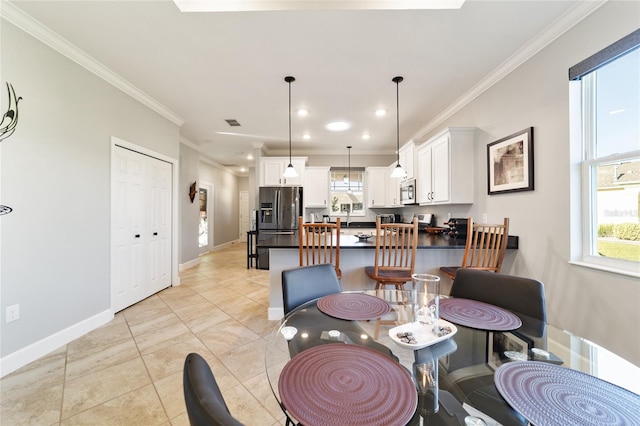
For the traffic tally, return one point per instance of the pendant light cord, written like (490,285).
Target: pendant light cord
(290,122)
(398,80)
(349,169)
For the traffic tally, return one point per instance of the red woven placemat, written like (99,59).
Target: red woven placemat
(339,384)
(548,394)
(353,306)
(480,315)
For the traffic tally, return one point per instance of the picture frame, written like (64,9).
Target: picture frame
(510,163)
(517,346)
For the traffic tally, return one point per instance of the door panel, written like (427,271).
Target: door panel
(141,248)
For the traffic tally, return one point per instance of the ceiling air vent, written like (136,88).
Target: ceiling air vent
(232,122)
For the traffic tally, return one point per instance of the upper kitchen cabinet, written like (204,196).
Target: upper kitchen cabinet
(272,168)
(392,187)
(376,186)
(316,187)
(445,167)
(407,160)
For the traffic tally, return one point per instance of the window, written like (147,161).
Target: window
(347,189)
(609,99)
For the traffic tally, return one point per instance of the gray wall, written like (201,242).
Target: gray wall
(600,306)
(55,173)
(189,212)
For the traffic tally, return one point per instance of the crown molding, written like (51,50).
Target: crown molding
(550,34)
(26,23)
(190,144)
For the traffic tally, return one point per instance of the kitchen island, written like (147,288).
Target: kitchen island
(434,250)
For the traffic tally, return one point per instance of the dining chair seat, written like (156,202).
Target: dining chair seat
(485,248)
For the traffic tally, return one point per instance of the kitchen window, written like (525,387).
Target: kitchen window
(347,189)
(605,113)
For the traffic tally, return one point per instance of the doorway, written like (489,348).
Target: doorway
(244,215)
(206,221)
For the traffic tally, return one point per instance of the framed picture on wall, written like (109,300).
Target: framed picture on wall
(510,163)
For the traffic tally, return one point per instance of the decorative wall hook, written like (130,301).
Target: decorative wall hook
(10,118)
(193,191)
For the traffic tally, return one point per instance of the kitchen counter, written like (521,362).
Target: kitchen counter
(425,241)
(434,250)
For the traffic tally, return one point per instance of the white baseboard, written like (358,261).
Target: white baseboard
(227,244)
(24,356)
(189,264)
(275,314)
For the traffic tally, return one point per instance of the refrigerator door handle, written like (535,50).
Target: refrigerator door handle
(278,218)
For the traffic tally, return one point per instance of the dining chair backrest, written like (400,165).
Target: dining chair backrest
(299,285)
(518,294)
(202,396)
(396,245)
(485,247)
(319,243)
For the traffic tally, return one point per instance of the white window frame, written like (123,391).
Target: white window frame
(582,104)
(362,179)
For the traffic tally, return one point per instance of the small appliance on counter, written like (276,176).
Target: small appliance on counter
(387,218)
(458,227)
(425,220)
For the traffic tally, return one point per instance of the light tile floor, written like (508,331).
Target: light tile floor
(129,371)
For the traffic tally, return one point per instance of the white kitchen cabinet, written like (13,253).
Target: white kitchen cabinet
(392,188)
(316,187)
(407,160)
(272,168)
(445,168)
(376,186)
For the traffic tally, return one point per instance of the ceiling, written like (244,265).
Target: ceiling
(206,67)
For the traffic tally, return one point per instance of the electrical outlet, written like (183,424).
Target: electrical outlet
(12,313)
(484,218)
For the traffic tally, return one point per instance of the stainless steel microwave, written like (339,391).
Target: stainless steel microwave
(408,191)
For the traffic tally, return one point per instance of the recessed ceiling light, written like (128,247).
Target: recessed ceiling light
(249,157)
(242,169)
(381,112)
(306,136)
(616,111)
(337,126)
(303,112)
(366,136)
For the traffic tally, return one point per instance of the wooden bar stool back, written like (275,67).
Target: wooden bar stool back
(319,243)
(485,248)
(395,258)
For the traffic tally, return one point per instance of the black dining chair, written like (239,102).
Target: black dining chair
(202,396)
(518,294)
(299,285)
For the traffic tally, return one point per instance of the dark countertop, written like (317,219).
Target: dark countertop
(425,241)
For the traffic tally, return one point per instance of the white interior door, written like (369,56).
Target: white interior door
(244,215)
(141,227)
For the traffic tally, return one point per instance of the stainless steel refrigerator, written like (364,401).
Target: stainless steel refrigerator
(278,211)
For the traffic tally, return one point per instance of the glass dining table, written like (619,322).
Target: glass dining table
(453,378)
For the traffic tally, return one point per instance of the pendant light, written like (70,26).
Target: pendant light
(349,170)
(290,172)
(398,172)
